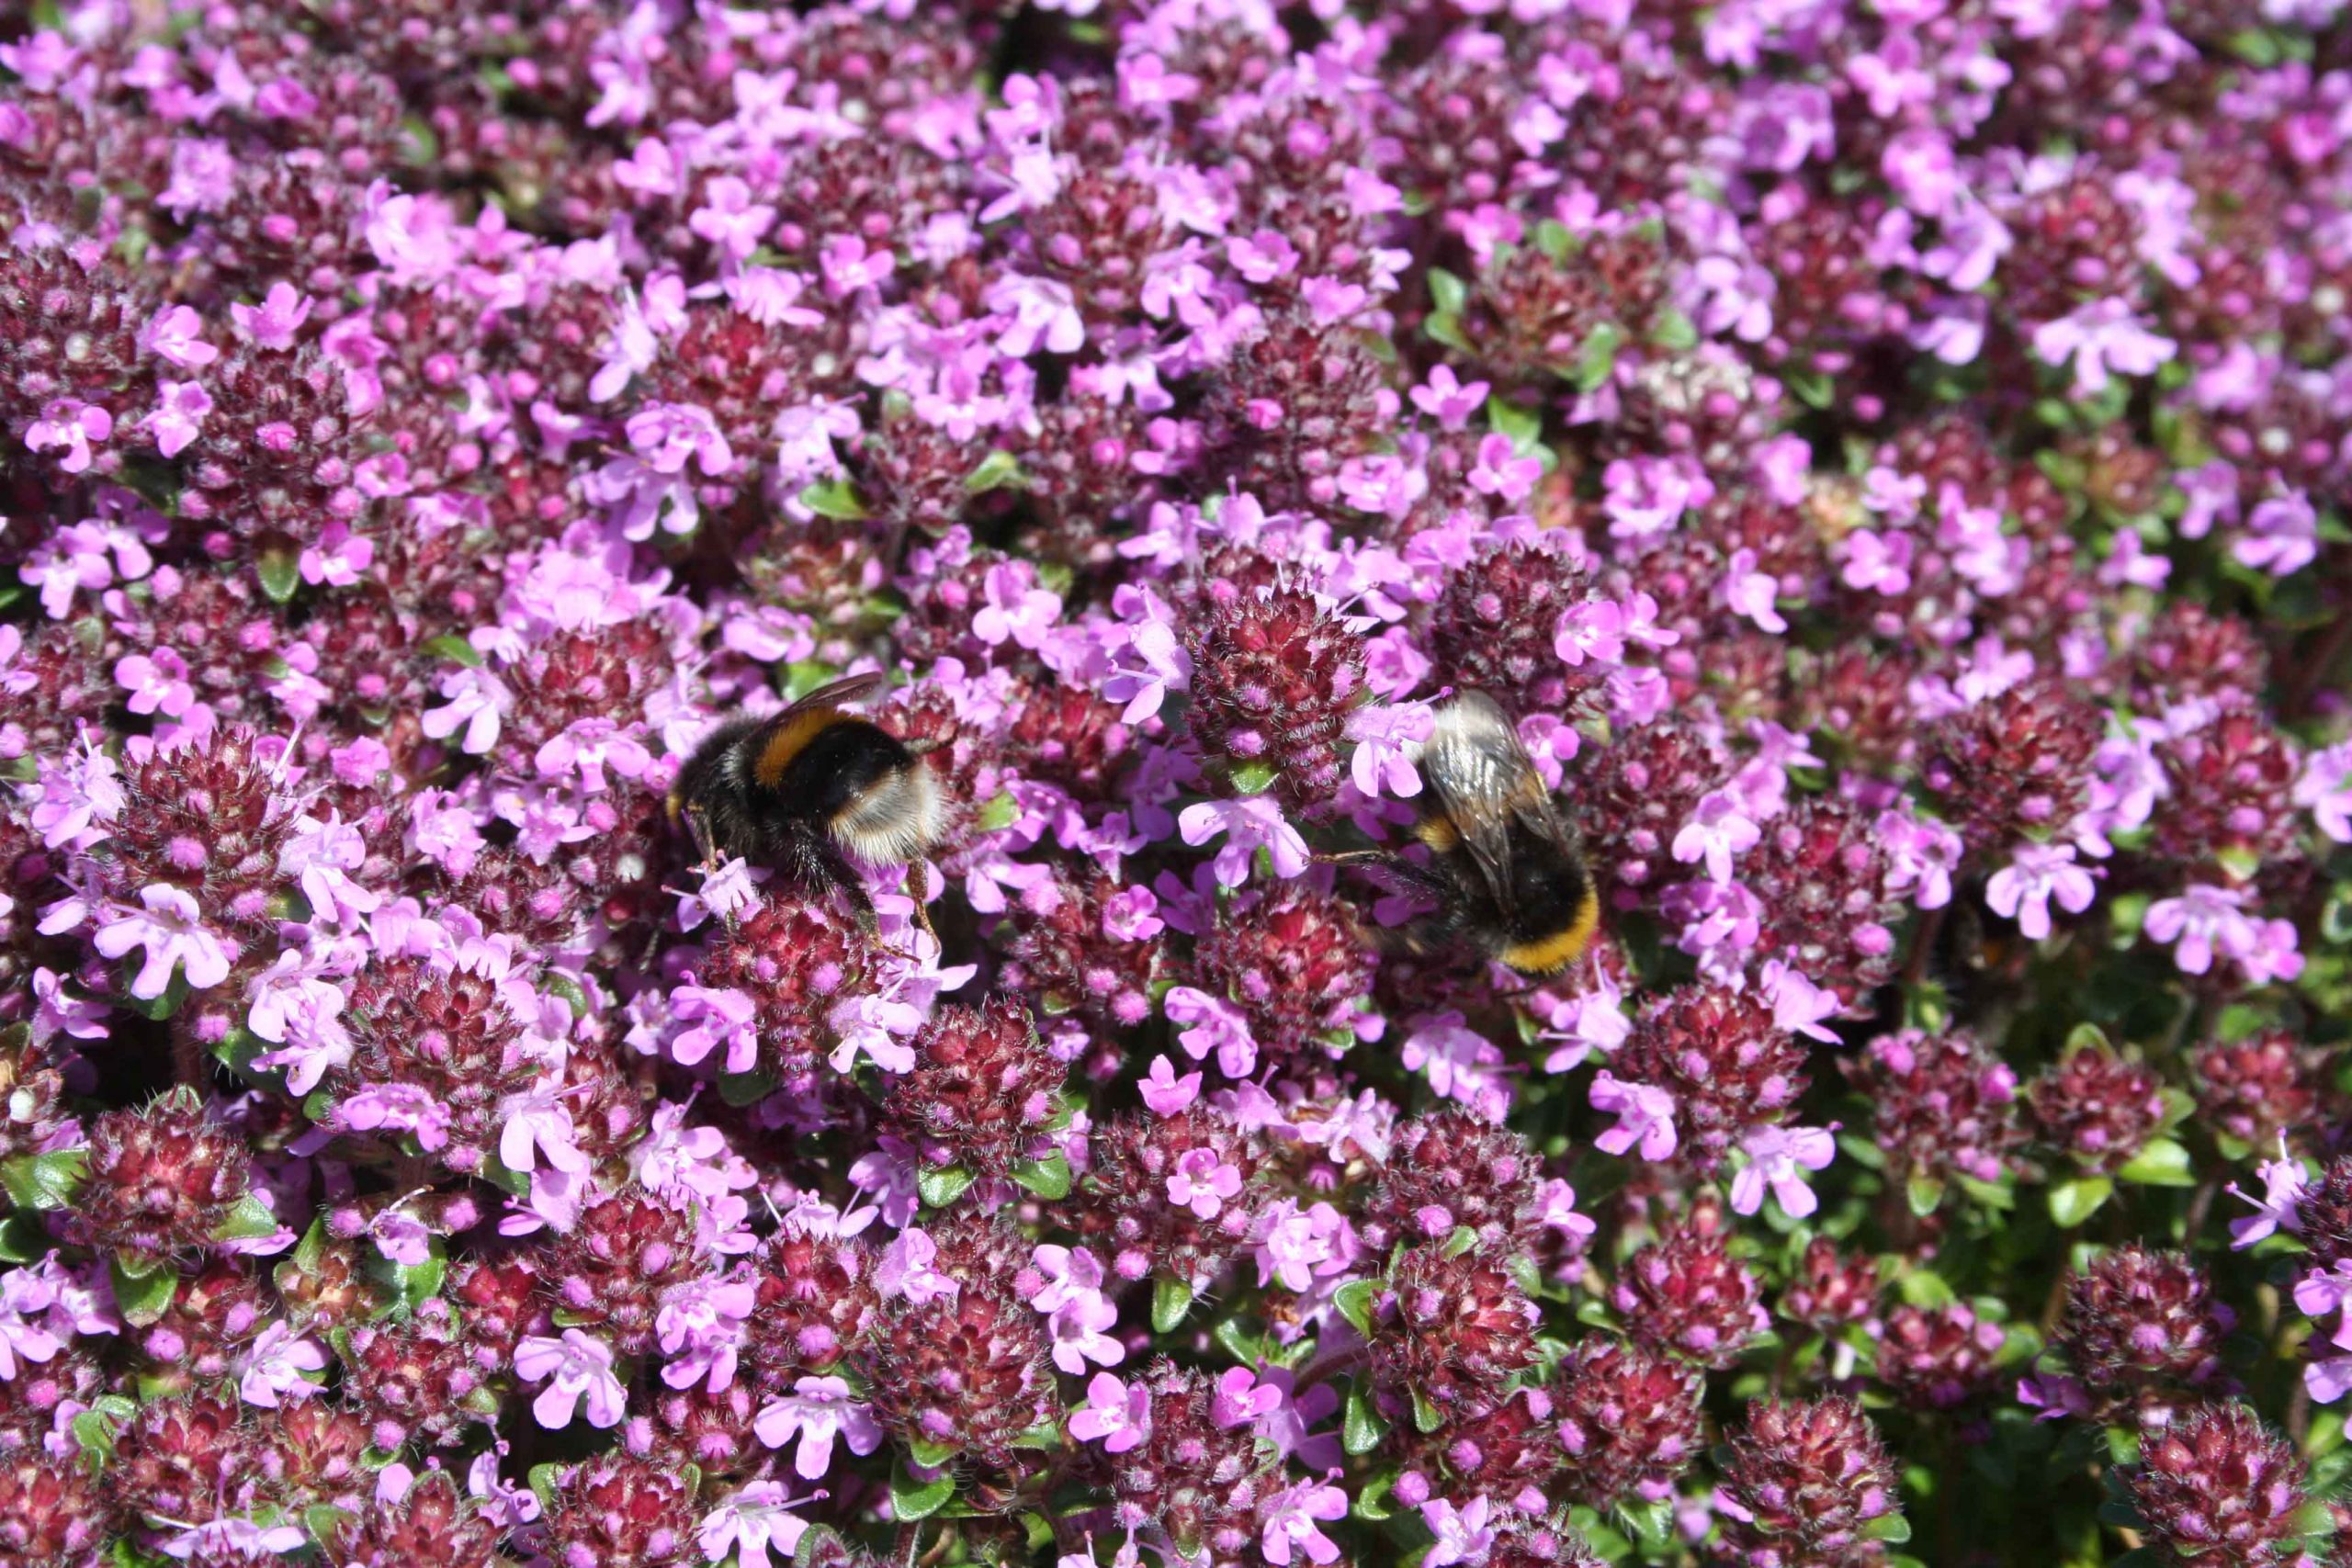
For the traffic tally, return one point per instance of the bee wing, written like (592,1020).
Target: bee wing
(1484,781)
(836,693)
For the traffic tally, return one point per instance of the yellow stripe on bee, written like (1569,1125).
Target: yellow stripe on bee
(1550,954)
(1439,833)
(791,737)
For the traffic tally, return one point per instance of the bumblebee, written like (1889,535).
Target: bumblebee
(811,792)
(1508,874)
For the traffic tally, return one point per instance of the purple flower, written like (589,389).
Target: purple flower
(1166,1093)
(297,1008)
(1249,825)
(1388,740)
(178,417)
(1044,315)
(2285,1184)
(72,427)
(227,1540)
(1447,399)
(700,1326)
(176,334)
(1464,1535)
(716,1017)
(273,323)
(1288,1522)
(1715,832)
(2203,921)
(729,220)
(2102,336)
(752,1523)
(818,1410)
(338,559)
(577,1369)
(1116,1415)
(1644,1115)
(1152,664)
(1212,1023)
(1016,610)
(1202,1183)
(2035,873)
(479,703)
(906,1269)
(1778,1157)
(169,928)
(1500,472)
(271,1366)
(1460,1062)
(1300,1246)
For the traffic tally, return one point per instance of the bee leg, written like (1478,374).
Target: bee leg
(919,889)
(826,866)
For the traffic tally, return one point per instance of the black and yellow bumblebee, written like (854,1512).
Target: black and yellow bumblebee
(810,792)
(1508,874)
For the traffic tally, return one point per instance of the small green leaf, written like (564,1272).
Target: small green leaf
(998,470)
(912,1500)
(1598,358)
(40,1182)
(1553,239)
(1444,327)
(1891,1528)
(1650,1524)
(281,573)
(1673,332)
(2073,1202)
(1048,1179)
(1426,1416)
(454,648)
(249,1221)
(930,1456)
(155,1009)
(1447,292)
(740,1089)
(1361,1427)
(22,1240)
(999,811)
(1371,1503)
(558,983)
(143,1297)
(543,1480)
(1925,1194)
(1524,425)
(1252,778)
(941,1185)
(1462,1239)
(834,498)
(1354,1301)
(94,1428)
(2164,1163)
(1170,1300)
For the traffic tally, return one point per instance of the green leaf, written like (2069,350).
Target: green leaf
(1447,292)
(998,470)
(1462,1239)
(1170,1300)
(1925,1194)
(40,1182)
(1598,357)
(542,1480)
(564,986)
(1048,1179)
(999,811)
(1354,1301)
(249,1221)
(2074,1201)
(1524,425)
(941,1185)
(143,1297)
(1252,778)
(1553,239)
(1371,1503)
(1361,1427)
(22,1240)
(1891,1528)
(1426,1416)
(912,1500)
(1673,332)
(834,498)
(155,1009)
(94,1428)
(2164,1163)
(455,649)
(1650,1524)
(1444,327)
(280,570)
(930,1456)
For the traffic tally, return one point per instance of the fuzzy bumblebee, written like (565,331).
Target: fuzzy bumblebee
(1508,875)
(811,793)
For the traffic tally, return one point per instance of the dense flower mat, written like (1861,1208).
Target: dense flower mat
(1888,459)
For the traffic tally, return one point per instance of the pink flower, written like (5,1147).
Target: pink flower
(818,1410)
(478,703)
(729,220)
(1299,1247)
(1500,472)
(1464,1535)
(751,1524)
(1715,832)
(1461,1063)
(273,323)
(2284,1186)
(176,334)
(1753,593)
(1202,1183)
(178,417)
(1389,738)
(159,684)
(1249,825)
(577,1369)
(1214,1025)
(1778,1157)
(1044,315)
(338,559)
(2102,337)
(1166,1093)
(1798,1005)
(2204,919)
(1016,610)
(2035,873)
(271,1366)
(905,1269)
(1288,1521)
(73,425)
(1116,1415)
(717,1019)
(170,929)
(1447,399)
(848,265)
(1159,665)
(1644,1115)
(1876,562)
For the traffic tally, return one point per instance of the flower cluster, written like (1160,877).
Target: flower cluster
(1885,462)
